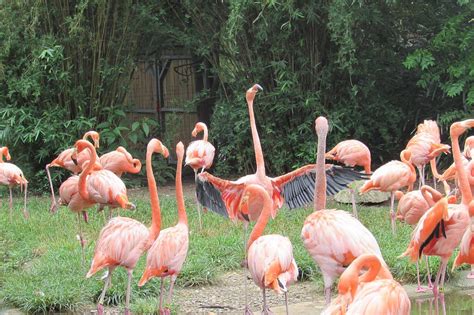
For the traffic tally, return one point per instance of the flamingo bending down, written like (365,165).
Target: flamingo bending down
(11,175)
(200,155)
(120,161)
(270,257)
(441,228)
(374,292)
(334,238)
(75,166)
(390,177)
(168,252)
(122,240)
(294,188)
(351,153)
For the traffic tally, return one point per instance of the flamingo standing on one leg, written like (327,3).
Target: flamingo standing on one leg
(200,155)
(334,238)
(122,240)
(270,257)
(441,228)
(11,175)
(168,252)
(374,292)
(64,160)
(351,153)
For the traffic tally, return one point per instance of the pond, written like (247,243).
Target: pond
(454,303)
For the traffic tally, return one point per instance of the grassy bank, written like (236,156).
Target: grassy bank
(41,268)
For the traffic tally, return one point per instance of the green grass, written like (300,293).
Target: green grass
(41,268)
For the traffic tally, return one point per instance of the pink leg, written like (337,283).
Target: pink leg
(100,305)
(354,208)
(81,239)
(197,202)
(129,289)
(419,288)
(266,310)
(25,211)
(442,268)
(327,294)
(430,284)
(392,213)
(54,206)
(11,201)
(286,303)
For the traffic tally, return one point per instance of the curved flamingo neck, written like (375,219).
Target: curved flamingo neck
(182,217)
(320,186)
(461,172)
(203,128)
(431,195)
(407,162)
(153,191)
(258,191)
(83,177)
(256,141)
(350,279)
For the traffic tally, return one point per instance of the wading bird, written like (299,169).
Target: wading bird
(75,166)
(200,155)
(351,153)
(168,252)
(390,177)
(11,175)
(334,238)
(122,240)
(441,228)
(119,162)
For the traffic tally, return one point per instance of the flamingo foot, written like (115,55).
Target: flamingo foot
(244,264)
(54,207)
(127,312)
(266,311)
(422,289)
(470,275)
(26,214)
(247,310)
(100,309)
(86,216)
(165,311)
(435,291)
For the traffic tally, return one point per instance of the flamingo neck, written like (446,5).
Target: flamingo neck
(461,172)
(205,132)
(320,186)
(256,141)
(182,217)
(83,177)
(264,215)
(154,200)
(408,163)
(350,279)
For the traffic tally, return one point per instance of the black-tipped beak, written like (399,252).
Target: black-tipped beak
(259,87)
(74,160)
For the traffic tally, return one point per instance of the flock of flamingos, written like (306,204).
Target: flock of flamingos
(337,241)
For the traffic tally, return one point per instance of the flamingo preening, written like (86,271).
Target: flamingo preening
(123,240)
(441,228)
(334,238)
(351,153)
(166,256)
(11,175)
(200,155)
(75,166)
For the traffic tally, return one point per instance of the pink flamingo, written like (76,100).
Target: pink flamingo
(270,257)
(75,166)
(120,161)
(351,153)
(391,177)
(375,292)
(334,238)
(11,175)
(466,252)
(200,155)
(441,228)
(122,240)
(168,252)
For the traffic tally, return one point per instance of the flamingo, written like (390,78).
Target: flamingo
(200,155)
(168,252)
(441,228)
(122,240)
(75,166)
(351,153)
(334,238)
(375,292)
(4,152)
(120,161)
(425,146)
(390,177)
(270,257)
(466,252)
(11,175)
(294,188)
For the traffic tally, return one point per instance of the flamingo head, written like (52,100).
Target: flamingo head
(458,128)
(321,125)
(200,126)
(6,153)
(180,149)
(156,146)
(95,136)
(250,95)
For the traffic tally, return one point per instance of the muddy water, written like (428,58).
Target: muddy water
(454,303)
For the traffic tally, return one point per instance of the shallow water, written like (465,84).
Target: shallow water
(455,303)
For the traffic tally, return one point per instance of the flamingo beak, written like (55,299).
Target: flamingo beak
(258,86)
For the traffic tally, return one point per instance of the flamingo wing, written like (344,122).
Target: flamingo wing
(298,186)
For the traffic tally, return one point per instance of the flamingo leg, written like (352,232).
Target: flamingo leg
(10,205)
(266,309)
(81,239)
(430,284)
(471,274)
(129,289)
(354,208)
(327,294)
(25,211)
(54,206)
(419,288)
(286,303)
(392,213)
(172,281)
(160,305)
(197,202)
(444,263)
(100,304)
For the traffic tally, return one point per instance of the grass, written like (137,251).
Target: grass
(41,268)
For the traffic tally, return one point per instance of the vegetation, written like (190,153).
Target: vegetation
(44,272)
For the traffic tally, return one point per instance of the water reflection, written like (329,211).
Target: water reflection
(454,303)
